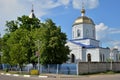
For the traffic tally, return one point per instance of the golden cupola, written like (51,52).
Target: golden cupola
(83,19)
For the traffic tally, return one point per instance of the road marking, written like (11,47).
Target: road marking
(2,73)
(7,74)
(15,75)
(26,75)
(43,76)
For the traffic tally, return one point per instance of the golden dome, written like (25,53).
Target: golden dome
(83,19)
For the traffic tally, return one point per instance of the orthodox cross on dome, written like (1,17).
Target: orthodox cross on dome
(32,8)
(82,10)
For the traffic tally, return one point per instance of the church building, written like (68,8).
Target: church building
(84,46)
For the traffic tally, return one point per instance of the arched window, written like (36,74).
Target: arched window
(100,57)
(93,33)
(117,57)
(87,33)
(72,58)
(78,33)
(103,58)
(73,34)
(89,57)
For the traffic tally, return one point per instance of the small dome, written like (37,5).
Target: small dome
(32,15)
(83,19)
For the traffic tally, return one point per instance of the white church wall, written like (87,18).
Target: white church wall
(88,31)
(94,52)
(88,42)
(74,31)
(94,43)
(76,50)
(97,52)
(84,55)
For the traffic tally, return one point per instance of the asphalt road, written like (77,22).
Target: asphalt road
(91,77)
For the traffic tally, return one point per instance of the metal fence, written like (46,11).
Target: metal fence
(59,68)
(49,68)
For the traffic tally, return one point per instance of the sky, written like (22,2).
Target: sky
(104,13)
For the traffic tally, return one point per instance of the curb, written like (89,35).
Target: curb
(16,75)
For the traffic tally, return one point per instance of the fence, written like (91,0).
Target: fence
(72,68)
(96,67)
(49,68)
(59,68)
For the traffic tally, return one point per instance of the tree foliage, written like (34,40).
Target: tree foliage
(53,49)
(19,42)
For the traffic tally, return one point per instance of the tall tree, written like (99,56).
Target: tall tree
(18,40)
(53,49)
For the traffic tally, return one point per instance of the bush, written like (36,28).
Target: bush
(6,70)
(34,72)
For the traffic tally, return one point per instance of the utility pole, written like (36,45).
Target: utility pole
(111,57)
(38,53)
(0,48)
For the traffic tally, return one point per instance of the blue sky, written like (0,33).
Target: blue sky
(104,13)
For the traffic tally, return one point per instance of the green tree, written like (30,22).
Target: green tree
(5,50)
(28,23)
(11,26)
(22,22)
(0,48)
(18,41)
(53,49)
(6,59)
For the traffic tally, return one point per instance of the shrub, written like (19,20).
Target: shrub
(34,72)
(6,70)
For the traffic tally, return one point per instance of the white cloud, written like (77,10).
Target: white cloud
(64,2)
(11,9)
(89,4)
(115,44)
(104,35)
(102,31)
(50,4)
(114,31)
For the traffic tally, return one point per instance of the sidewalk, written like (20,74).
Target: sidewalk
(41,75)
(61,76)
